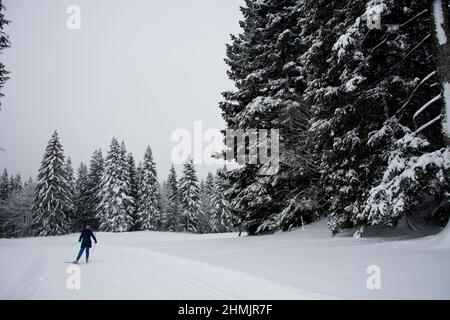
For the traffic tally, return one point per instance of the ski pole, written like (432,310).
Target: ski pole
(74,244)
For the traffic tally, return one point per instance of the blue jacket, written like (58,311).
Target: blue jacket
(85,238)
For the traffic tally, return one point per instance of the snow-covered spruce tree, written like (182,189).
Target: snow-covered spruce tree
(163,203)
(4,186)
(358,78)
(113,209)
(81,216)
(190,197)
(173,212)
(221,219)
(4,43)
(133,177)
(264,64)
(16,212)
(4,195)
(148,211)
(130,202)
(416,182)
(206,189)
(70,178)
(52,198)
(96,170)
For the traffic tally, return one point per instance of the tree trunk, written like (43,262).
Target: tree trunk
(440,13)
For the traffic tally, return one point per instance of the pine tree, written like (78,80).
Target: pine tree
(4,196)
(82,205)
(173,212)
(70,178)
(264,65)
(163,205)
(134,186)
(349,101)
(4,186)
(206,191)
(221,219)
(190,197)
(130,202)
(148,211)
(4,43)
(361,80)
(52,196)
(203,225)
(113,209)
(96,170)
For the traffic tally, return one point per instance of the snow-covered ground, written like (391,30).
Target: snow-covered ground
(302,264)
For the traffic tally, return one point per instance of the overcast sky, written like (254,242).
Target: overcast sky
(136,69)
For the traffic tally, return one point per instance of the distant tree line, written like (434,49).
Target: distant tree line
(112,194)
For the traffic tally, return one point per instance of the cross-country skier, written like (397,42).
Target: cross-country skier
(86,244)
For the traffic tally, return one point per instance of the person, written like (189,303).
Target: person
(86,243)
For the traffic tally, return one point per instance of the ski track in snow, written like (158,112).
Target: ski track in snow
(303,264)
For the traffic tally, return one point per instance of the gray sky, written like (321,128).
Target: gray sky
(137,70)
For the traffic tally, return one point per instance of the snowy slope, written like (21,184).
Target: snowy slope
(303,264)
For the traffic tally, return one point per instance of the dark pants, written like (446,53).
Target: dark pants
(81,252)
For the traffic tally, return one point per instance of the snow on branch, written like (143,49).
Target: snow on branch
(429,123)
(426,105)
(415,89)
(404,177)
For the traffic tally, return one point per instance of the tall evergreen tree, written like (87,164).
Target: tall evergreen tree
(163,205)
(4,195)
(356,106)
(71,187)
(206,190)
(264,65)
(113,210)
(96,170)
(52,198)
(148,212)
(173,212)
(81,216)
(134,186)
(365,92)
(4,43)
(4,186)
(221,219)
(130,203)
(190,197)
